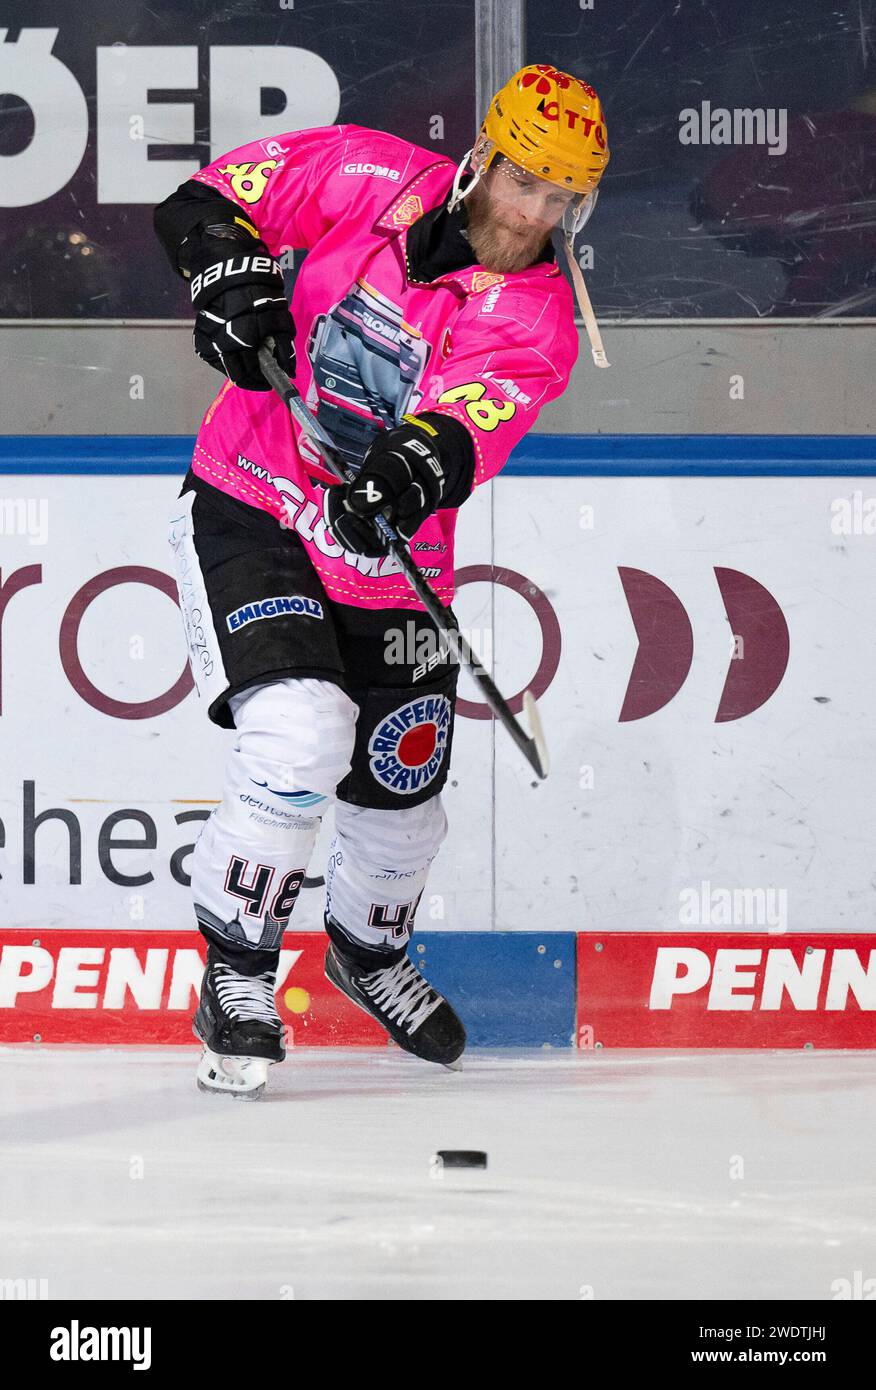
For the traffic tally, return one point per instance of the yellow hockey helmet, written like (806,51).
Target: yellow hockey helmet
(549,123)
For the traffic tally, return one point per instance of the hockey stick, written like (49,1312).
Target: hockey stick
(533,747)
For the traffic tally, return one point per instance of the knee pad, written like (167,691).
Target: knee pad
(294,744)
(378,866)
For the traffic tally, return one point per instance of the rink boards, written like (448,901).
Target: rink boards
(511,989)
(696,618)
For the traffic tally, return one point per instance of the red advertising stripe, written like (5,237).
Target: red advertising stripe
(726,989)
(140,987)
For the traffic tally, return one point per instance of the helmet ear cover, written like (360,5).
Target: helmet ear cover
(484,153)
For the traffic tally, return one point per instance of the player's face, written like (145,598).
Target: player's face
(510,216)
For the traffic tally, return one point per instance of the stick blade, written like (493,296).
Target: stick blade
(530,709)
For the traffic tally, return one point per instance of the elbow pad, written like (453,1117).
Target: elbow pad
(191,212)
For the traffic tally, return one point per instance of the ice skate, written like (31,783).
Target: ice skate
(242,1033)
(414,1014)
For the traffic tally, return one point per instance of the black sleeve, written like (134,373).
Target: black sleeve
(192,206)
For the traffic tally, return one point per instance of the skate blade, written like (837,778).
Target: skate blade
(453,1066)
(243,1078)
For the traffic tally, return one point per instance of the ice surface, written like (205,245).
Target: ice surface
(611,1175)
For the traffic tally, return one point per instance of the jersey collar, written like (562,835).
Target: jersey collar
(427,190)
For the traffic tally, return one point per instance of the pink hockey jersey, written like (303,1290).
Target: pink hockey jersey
(373,345)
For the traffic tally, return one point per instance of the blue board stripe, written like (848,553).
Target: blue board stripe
(511,989)
(686,455)
(539,455)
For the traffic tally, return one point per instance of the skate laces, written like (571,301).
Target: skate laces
(246,998)
(401,993)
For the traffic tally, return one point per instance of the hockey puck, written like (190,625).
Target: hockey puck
(460,1158)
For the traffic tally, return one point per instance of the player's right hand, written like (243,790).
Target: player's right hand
(239,301)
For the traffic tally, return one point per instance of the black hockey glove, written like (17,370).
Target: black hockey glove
(407,474)
(238,296)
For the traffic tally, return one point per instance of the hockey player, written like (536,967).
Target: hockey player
(429,323)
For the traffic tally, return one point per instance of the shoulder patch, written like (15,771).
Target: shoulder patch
(408,210)
(484,280)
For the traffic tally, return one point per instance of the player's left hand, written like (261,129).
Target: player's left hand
(402,477)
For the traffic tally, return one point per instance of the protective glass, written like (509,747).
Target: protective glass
(546,202)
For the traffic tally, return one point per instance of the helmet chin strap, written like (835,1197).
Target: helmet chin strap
(457,193)
(562,243)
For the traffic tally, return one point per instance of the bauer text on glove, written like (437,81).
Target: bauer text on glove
(239,301)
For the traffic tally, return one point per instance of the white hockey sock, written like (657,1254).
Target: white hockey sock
(378,867)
